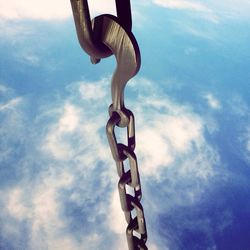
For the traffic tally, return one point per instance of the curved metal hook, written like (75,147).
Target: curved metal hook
(89,33)
(123,45)
(87,37)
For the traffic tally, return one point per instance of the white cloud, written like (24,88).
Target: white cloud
(10,104)
(213,11)
(116,217)
(28,56)
(78,127)
(170,139)
(248,145)
(208,34)
(91,92)
(12,128)
(15,205)
(61,9)
(73,141)
(245,141)
(100,7)
(185,129)
(39,204)
(3,88)
(46,222)
(172,151)
(212,101)
(172,135)
(238,106)
(35,9)
(153,149)
(69,121)
(232,9)
(195,6)
(182,4)
(48,10)
(116,221)
(56,141)
(168,136)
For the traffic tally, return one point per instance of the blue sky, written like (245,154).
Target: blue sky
(58,182)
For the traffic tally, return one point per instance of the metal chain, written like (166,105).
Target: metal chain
(108,35)
(130,179)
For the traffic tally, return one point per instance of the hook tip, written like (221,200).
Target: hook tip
(94,60)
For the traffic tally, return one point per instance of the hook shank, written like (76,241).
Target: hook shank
(123,45)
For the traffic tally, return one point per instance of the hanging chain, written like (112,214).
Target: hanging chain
(108,35)
(129,180)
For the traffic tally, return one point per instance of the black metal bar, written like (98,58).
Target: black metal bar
(123,10)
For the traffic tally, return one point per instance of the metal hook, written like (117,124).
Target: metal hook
(89,33)
(86,35)
(123,45)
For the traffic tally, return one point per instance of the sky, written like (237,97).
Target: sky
(191,98)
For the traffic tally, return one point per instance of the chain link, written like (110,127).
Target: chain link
(104,36)
(130,179)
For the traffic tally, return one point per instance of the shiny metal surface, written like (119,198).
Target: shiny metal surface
(130,178)
(88,32)
(123,45)
(109,35)
(88,36)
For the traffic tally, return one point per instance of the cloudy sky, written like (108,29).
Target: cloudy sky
(191,98)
